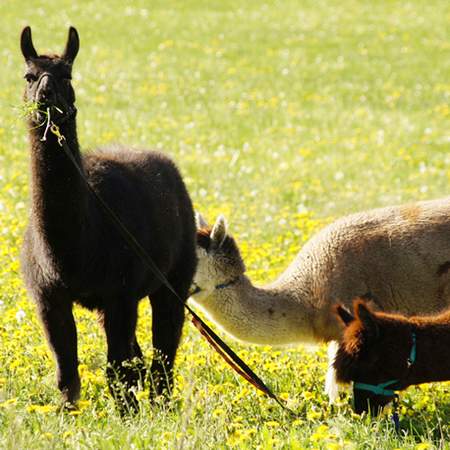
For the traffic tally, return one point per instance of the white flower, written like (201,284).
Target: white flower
(20,315)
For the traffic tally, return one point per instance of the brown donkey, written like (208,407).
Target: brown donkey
(382,353)
(73,253)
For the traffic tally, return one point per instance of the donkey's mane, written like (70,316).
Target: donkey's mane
(397,319)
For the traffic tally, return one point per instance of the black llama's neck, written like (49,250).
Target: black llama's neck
(59,195)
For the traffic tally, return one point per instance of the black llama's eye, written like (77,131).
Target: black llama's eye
(30,77)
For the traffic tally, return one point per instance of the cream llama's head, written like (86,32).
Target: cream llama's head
(219,261)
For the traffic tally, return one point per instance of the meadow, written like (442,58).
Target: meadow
(282,115)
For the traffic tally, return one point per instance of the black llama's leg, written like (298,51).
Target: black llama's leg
(167,324)
(60,329)
(120,317)
(137,352)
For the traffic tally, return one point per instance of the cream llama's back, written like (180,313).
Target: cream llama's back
(397,256)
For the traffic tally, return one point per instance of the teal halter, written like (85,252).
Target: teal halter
(379,389)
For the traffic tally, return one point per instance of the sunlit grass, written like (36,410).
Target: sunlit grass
(282,116)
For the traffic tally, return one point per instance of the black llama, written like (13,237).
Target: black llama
(72,252)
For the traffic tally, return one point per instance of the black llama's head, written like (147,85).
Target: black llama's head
(49,78)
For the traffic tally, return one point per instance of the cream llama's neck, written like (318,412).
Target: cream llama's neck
(260,315)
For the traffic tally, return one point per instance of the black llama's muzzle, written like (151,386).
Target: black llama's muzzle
(51,105)
(45,91)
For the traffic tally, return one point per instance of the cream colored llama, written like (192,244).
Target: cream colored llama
(399,257)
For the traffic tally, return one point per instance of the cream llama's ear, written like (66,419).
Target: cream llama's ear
(219,232)
(200,221)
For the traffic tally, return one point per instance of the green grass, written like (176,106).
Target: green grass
(282,115)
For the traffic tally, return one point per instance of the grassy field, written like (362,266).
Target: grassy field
(281,115)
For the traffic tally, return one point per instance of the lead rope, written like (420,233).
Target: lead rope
(395,418)
(230,357)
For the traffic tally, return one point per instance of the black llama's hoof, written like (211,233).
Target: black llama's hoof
(70,391)
(68,407)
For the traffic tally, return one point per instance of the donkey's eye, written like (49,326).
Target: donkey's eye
(30,77)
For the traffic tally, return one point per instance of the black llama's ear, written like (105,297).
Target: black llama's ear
(26,44)
(219,232)
(368,320)
(200,221)
(344,315)
(72,46)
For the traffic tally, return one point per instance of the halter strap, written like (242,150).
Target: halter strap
(71,109)
(379,389)
(412,355)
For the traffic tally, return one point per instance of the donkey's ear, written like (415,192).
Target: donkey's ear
(344,315)
(26,44)
(72,46)
(367,318)
(219,232)
(200,221)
